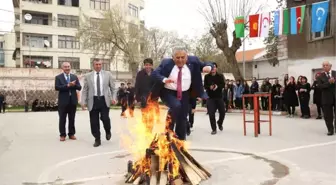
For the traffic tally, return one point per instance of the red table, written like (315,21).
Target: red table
(256,110)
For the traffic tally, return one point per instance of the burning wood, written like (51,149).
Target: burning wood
(166,163)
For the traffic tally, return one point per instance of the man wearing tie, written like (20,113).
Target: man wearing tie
(97,96)
(180,78)
(326,82)
(67,85)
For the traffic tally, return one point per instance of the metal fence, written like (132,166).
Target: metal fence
(17,96)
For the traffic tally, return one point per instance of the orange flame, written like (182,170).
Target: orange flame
(149,133)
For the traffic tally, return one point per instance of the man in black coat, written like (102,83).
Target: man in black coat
(214,84)
(144,85)
(2,103)
(67,85)
(326,82)
(130,98)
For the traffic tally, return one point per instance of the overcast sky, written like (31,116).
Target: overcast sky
(175,15)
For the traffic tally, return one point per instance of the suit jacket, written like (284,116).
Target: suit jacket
(195,66)
(143,85)
(64,91)
(327,89)
(88,92)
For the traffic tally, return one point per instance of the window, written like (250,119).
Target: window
(320,35)
(41,19)
(37,61)
(133,10)
(2,57)
(100,4)
(95,22)
(68,42)
(133,29)
(68,21)
(40,1)
(36,41)
(74,3)
(106,64)
(74,62)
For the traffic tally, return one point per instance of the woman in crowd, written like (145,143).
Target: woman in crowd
(317,97)
(304,97)
(290,96)
(246,91)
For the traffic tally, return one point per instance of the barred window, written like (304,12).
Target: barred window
(74,62)
(100,4)
(68,21)
(133,10)
(68,42)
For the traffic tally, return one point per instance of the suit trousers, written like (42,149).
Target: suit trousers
(329,114)
(215,104)
(179,111)
(64,111)
(99,109)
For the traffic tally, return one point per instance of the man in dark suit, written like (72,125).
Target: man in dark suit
(143,87)
(2,103)
(326,82)
(130,98)
(180,78)
(67,85)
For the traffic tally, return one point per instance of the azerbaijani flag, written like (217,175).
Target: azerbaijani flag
(240,27)
(297,18)
(281,22)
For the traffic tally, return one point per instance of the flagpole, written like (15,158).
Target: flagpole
(244,43)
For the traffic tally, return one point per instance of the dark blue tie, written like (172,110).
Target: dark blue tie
(67,78)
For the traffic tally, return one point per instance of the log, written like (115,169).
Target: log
(177,182)
(195,168)
(137,181)
(163,178)
(194,178)
(195,162)
(154,169)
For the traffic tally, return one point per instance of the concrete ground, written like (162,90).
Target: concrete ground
(298,152)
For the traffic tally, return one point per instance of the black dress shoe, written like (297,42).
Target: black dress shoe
(319,117)
(330,133)
(213,132)
(97,143)
(220,127)
(108,136)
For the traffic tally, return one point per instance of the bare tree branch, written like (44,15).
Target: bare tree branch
(216,13)
(111,34)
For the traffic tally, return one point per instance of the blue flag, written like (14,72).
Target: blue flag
(319,16)
(277,23)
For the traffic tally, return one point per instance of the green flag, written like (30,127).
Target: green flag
(240,27)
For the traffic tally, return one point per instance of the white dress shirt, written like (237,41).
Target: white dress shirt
(186,78)
(101,83)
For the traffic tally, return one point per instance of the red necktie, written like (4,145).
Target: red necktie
(179,84)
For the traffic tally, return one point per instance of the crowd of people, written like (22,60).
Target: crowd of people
(44,106)
(285,96)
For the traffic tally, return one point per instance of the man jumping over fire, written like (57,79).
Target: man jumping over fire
(180,78)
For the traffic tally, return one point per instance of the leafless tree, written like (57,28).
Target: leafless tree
(112,36)
(217,13)
(157,44)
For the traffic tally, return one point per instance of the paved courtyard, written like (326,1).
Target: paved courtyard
(299,152)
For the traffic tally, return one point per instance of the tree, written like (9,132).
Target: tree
(272,41)
(112,36)
(205,48)
(157,44)
(217,14)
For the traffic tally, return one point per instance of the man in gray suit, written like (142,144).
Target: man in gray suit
(97,96)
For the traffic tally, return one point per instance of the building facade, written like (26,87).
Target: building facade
(307,51)
(45,32)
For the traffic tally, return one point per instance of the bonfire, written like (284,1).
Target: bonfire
(166,160)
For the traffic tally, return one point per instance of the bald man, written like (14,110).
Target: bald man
(67,85)
(326,82)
